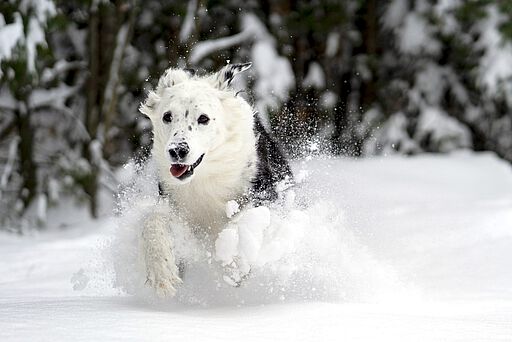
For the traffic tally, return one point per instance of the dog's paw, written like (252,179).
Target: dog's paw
(164,279)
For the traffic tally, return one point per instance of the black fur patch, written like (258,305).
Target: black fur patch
(272,165)
(186,113)
(161,191)
(233,69)
(228,75)
(190,71)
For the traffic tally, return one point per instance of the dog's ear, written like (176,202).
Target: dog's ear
(148,106)
(222,78)
(170,78)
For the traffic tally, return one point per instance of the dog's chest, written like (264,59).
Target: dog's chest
(204,203)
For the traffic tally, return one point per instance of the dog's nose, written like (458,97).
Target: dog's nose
(179,151)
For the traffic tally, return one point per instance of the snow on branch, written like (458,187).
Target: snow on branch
(7,101)
(60,67)
(113,79)
(188,23)
(84,134)
(274,73)
(43,9)
(15,33)
(495,67)
(54,96)
(203,49)
(252,29)
(11,157)
(10,35)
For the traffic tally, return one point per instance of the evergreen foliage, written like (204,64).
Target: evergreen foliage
(351,77)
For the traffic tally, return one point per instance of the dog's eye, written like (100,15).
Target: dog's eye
(167,118)
(203,119)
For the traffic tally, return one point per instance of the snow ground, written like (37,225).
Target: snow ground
(408,249)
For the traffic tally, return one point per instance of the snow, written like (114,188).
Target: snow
(434,129)
(445,132)
(416,36)
(445,11)
(315,76)
(328,99)
(55,97)
(274,77)
(252,29)
(226,245)
(43,9)
(115,66)
(41,208)
(391,137)
(274,73)
(386,249)
(232,207)
(495,67)
(188,22)
(10,35)
(205,48)
(394,14)
(35,37)
(60,67)
(430,83)
(13,33)
(8,168)
(332,44)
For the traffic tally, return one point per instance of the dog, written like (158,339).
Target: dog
(210,147)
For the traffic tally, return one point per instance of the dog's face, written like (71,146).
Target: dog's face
(188,125)
(188,119)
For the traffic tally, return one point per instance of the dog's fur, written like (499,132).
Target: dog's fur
(238,160)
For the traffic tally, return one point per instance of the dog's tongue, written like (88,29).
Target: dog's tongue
(177,170)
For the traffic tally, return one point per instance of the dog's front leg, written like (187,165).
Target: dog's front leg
(161,270)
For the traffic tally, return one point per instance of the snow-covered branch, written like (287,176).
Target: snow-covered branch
(60,68)
(7,101)
(113,79)
(188,23)
(54,96)
(68,112)
(252,28)
(11,157)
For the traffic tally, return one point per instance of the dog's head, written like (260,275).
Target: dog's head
(188,114)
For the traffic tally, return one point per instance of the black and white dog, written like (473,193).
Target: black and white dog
(210,147)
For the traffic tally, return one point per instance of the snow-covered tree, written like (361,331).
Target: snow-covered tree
(448,73)
(23,59)
(347,77)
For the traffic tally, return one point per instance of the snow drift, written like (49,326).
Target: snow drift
(416,248)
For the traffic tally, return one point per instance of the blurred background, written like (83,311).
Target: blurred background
(337,77)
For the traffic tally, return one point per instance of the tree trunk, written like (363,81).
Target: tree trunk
(90,182)
(370,32)
(26,155)
(110,94)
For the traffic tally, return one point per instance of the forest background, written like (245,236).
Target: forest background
(336,77)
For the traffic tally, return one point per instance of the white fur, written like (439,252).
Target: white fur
(229,147)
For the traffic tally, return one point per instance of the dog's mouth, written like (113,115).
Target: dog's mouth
(183,171)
